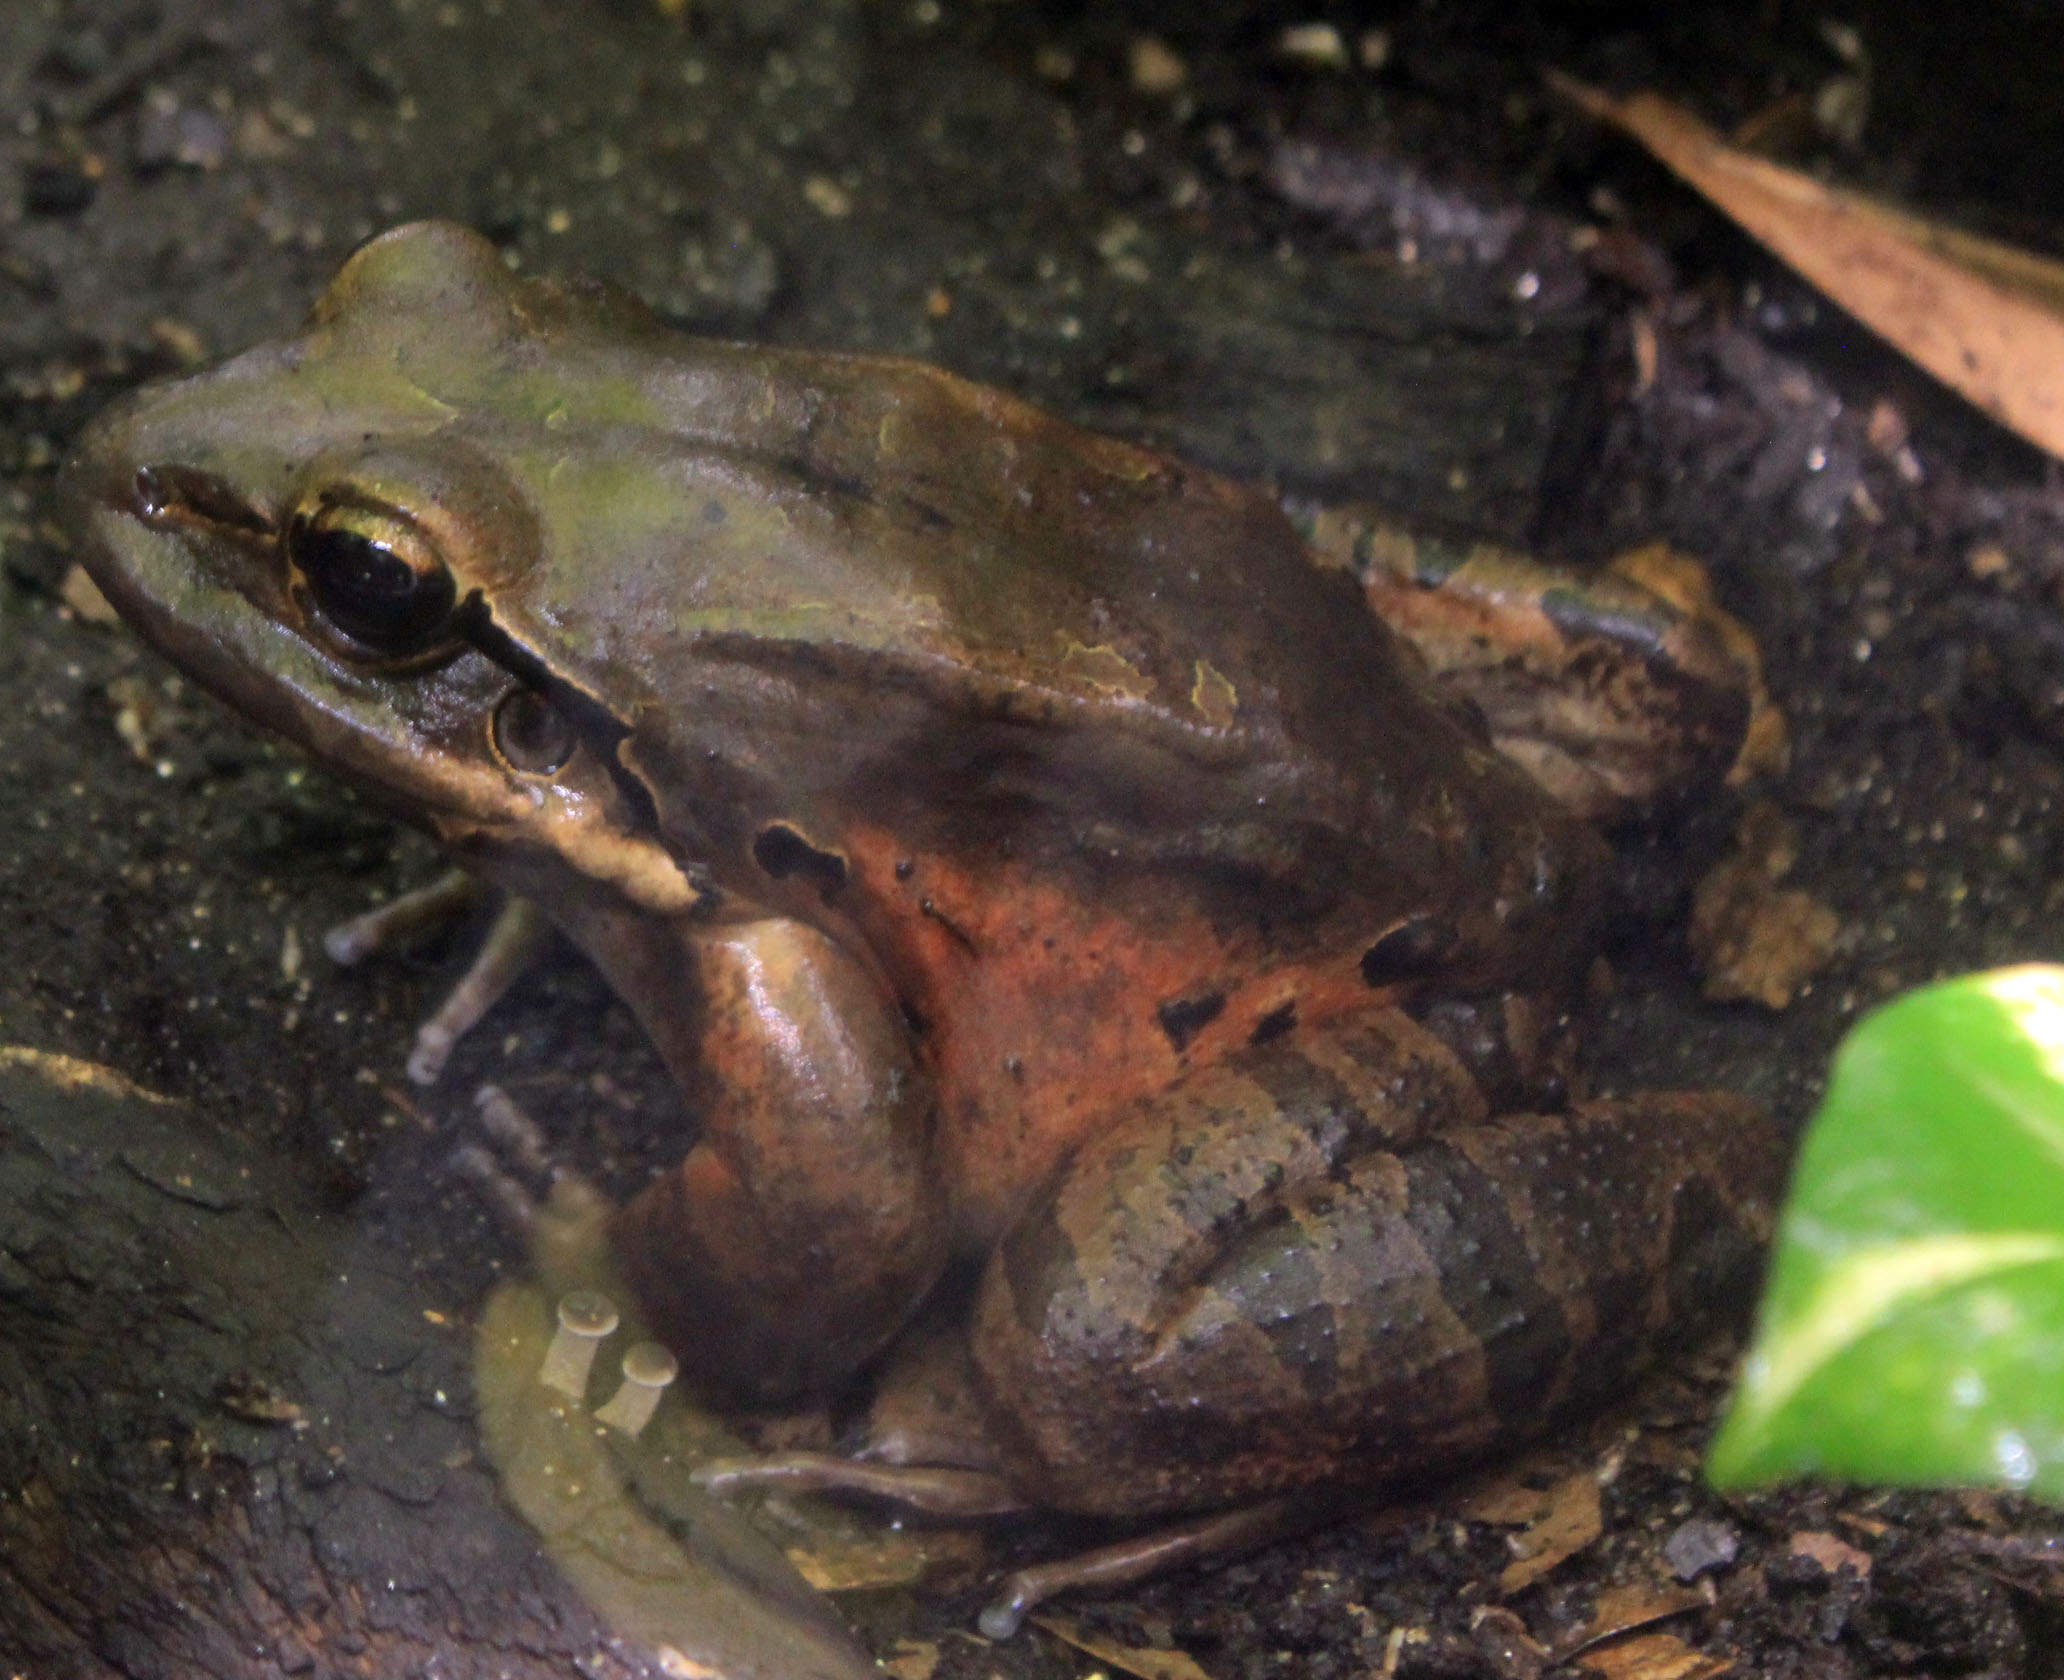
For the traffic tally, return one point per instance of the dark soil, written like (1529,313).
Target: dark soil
(989,185)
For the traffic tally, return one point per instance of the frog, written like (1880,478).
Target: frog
(1053,892)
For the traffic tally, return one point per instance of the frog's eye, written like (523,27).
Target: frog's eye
(372,576)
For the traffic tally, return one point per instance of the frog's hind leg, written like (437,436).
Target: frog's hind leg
(512,945)
(1284,1272)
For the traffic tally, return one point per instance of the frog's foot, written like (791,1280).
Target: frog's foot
(950,1494)
(925,1449)
(1177,1546)
(511,946)
(559,1218)
(511,1170)
(928,1454)
(946,1492)
(563,1225)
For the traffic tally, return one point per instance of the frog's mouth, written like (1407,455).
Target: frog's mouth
(415,695)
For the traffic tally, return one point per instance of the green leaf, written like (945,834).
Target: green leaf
(1913,1327)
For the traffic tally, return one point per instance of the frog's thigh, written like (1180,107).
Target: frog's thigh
(1175,1326)
(799,1232)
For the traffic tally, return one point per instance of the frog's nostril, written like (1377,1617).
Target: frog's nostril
(153,495)
(168,493)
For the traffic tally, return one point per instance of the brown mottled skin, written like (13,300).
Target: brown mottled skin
(1022,855)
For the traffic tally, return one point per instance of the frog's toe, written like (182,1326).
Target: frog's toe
(511,947)
(516,1137)
(556,1217)
(387,925)
(1175,1545)
(944,1491)
(504,1195)
(510,1166)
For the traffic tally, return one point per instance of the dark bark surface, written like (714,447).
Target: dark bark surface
(233,1443)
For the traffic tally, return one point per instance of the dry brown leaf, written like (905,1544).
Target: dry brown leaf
(913,1659)
(1622,1609)
(1144,1661)
(1507,1502)
(142,718)
(71,1074)
(1753,939)
(831,1566)
(1980,316)
(1653,1656)
(1572,1521)
(1506,1640)
(2036,278)
(854,1556)
(83,596)
(1830,1553)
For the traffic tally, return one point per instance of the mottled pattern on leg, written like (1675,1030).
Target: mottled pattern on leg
(1286,1271)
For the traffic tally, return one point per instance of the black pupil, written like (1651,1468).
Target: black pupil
(369,591)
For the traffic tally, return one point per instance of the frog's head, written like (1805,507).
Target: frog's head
(308,532)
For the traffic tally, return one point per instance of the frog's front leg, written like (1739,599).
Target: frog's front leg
(806,1223)
(1288,1271)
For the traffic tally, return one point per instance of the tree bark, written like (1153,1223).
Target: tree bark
(232,1443)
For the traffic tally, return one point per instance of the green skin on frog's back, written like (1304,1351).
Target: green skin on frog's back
(1027,862)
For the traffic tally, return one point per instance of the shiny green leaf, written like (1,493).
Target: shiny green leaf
(1913,1328)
